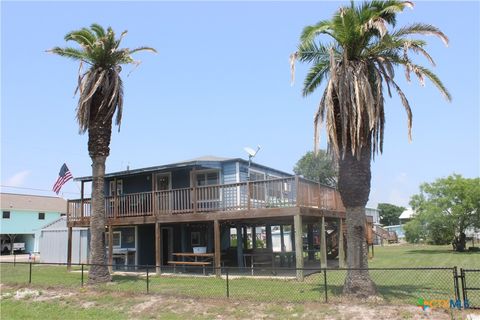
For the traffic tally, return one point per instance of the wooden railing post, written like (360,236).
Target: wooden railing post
(153,202)
(248,195)
(297,188)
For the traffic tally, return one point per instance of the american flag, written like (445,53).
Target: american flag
(63,176)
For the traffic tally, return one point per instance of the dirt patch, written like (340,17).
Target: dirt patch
(160,306)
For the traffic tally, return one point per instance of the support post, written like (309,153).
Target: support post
(268,234)
(216,232)
(69,249)
(245,238)
(254,237)
(311,250)
(158,246)
(323,244)
(297,222)
(110,248)
(282,246)
(341,247)
(239,247)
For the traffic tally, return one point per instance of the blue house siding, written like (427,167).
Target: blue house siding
(181,178)
(229,172)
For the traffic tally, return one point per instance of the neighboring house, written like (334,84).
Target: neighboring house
(406,215)
(398,229)
(159,211)
(374,216)
(374,213)
(23,216)
(53,240)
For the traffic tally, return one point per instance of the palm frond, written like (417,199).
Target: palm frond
(310,32)
(315,77)
(435,80)
(422,29)
(98,29)
(142,49)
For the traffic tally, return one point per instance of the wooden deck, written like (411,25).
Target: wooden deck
(245,200)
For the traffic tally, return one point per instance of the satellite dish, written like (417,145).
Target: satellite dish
(250,151)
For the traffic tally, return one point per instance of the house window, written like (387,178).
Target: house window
(207,178)
(119,187)
(6,215)
(41,216)
(274,188)
(208,190)
(257,189)
(117,239)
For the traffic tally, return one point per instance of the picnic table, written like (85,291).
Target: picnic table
(192,259)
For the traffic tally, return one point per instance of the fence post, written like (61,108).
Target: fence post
(14,258)
(325,284)
(148,289)
(30,274)
(228,288)
(82,274)
(455,284)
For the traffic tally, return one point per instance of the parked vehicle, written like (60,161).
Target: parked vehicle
(6,246)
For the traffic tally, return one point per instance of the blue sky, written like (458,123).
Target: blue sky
(221,82)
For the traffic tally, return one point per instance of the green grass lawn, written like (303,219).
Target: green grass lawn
(407,255)
(399,286)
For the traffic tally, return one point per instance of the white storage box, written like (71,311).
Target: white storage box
(199,249)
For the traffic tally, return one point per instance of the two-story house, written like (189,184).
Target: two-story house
(208,204)
(24,215)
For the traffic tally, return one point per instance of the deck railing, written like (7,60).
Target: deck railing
(272,193)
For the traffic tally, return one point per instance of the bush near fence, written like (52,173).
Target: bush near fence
(395,285)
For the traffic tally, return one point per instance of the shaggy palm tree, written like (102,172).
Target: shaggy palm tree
(357,64)
(100,96)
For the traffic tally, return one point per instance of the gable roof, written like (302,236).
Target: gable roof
(28,202)
(407,214)
(203,161)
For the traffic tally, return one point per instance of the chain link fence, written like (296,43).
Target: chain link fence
(394,285)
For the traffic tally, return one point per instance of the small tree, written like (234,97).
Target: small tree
(389,213)
(318,167)
(445,209)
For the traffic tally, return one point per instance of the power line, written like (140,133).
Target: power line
(35,189)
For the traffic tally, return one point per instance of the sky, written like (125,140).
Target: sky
(221,82)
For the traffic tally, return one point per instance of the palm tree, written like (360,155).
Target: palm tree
(356,64)
(100,96)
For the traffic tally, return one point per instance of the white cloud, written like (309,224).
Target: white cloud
(18,179)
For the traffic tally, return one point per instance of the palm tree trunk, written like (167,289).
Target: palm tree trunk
(98,271)
(354,188)
(99,134)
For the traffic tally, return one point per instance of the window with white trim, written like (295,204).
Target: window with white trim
(119,187)
(257,190)
(205,179)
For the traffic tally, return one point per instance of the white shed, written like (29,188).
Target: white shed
(54,240)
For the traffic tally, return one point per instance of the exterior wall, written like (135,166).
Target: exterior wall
(25,222)
(374,213)
(229,171)
(26,225)
(53,245)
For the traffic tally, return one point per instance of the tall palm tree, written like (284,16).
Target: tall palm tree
(357,63)
(100,96)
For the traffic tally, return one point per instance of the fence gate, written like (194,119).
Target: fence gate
(471,287)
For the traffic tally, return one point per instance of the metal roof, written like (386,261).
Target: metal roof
(204,161)
(27,202)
